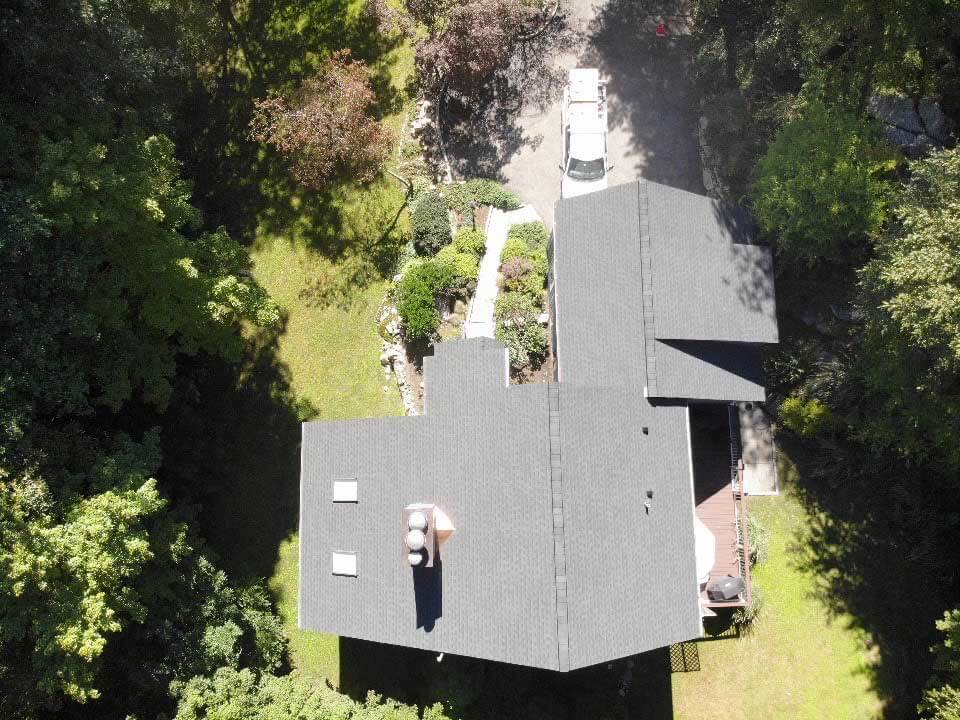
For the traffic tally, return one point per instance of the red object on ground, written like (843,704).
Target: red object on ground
(662,31)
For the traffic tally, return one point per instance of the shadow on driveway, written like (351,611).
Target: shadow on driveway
(652,111)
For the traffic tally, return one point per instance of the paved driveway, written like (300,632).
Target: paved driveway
(652,110)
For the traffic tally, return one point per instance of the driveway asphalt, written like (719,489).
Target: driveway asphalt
(651,105)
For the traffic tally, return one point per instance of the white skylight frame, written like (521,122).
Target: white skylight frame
(343,563)
(346,490)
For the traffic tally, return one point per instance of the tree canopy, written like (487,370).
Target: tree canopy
(326,129)
(820,187)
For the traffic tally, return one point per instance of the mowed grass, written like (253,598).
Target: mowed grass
(332,349)
(325,275)
(798,662)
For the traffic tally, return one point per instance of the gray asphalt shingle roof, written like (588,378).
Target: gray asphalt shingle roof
(711,280)
(572,501)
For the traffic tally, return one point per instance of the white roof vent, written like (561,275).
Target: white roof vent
(417,520)
(415,540)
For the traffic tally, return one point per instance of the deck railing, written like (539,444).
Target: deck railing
(740,508)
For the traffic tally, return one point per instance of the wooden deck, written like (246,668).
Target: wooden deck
(714,497)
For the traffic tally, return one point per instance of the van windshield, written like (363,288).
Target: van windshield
(586,169)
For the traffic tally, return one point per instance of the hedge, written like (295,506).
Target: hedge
(481,191)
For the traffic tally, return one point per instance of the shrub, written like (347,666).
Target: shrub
(470,241)
(463,265)
(807,418)
(430,224)
(514,270)
(744,618)
(416,295)
(481,192)
(759,541)
(515,309)
(528,240)
(490,192)
(526,343)
(517,248)
(517,328)
(520,275)
(534,234)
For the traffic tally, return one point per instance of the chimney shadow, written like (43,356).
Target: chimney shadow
(428,594)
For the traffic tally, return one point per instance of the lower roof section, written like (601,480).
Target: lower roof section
(699,370)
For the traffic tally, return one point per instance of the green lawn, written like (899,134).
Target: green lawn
(797,662)
(332,349)
(325,260)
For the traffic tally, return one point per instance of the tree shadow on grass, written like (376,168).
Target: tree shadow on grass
(650,95)
(270,45)
(885,552)
(483,690)
(231,442)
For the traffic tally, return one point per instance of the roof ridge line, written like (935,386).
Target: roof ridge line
(648,315)
(559,539)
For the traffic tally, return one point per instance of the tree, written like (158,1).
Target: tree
(326,129)
(67,578)
(820,189)
(911,293)
(467,42)
(942,700)
(860,46)
(917,267)
(240,695)
(102,287)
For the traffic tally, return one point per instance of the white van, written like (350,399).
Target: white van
(584,123)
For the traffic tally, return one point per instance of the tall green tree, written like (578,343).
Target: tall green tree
(240,695)
(821,190)
(68,571)
(911,293)
(942,700)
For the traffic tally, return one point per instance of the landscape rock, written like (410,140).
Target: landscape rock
(914,129)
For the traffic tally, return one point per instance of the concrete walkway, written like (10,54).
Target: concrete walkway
(759,452)
(480,321)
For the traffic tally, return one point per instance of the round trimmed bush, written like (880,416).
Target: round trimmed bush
(430,224)
(464,265)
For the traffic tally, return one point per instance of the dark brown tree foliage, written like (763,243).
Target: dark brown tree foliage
(469,41)
(326,129)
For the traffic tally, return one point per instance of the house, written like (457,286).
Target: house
(553,525)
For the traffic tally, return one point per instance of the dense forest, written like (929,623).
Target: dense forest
(861,207)
(144,141)
(135,345)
